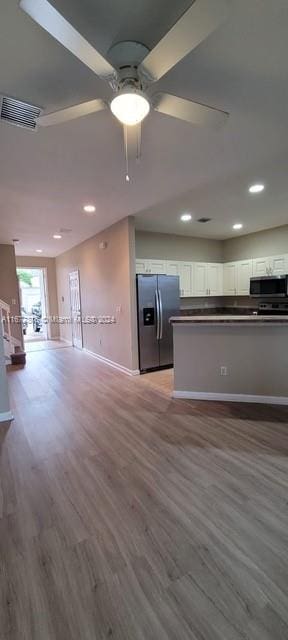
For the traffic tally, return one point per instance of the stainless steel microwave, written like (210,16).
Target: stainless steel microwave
(269,287)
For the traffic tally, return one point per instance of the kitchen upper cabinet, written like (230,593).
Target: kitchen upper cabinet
(230,279)
(261,267)
(141,266)
(278,265)
(157,266)
(244,273)
(186,279)
(208,279)
(185,272)
(200,280)
(172,268)
(215,279)
(270,266)
(150,266)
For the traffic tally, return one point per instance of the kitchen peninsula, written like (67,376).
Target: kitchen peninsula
(231,358)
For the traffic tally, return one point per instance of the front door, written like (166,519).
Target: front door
(75,306)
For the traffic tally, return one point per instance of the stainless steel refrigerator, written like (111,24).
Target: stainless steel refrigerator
(157,300)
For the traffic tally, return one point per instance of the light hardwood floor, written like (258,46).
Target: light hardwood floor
(127,515)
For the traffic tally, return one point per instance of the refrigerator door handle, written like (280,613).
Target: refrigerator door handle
(157,315)
(161,315)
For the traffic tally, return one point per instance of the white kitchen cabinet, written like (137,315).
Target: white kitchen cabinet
(278,265)
(141,266)
(200,279)
(230,279)
(260,267)
(186,279)
(215,279)
(172,268)
(185,272)
(150,266)
(208,279)
(244,273)
(270,266)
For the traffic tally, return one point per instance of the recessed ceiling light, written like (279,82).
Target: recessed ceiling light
(39,250)
(186,217)
(256,188)
(57,236)
(89,208)
(238,225)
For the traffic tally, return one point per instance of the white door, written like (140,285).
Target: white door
(215,279)
(229,279)
(244,273)
(75,306)
(200,279)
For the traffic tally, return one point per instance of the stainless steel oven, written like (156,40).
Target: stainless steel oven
(269,287)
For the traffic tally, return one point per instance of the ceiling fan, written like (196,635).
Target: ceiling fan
(133,69)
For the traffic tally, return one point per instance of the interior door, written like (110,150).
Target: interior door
(75,307)
(169,303)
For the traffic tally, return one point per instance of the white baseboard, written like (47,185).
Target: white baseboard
(7,416)
(63,340)
(229,397)
(111,363)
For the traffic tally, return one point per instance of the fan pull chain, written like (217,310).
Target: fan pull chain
(127,177)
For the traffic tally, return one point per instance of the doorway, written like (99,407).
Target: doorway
(75,307)
(34,303)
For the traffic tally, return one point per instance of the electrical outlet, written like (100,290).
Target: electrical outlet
(100,341)
(223,371)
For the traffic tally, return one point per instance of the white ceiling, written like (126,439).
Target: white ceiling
(46,177)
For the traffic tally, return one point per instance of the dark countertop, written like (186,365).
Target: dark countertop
(229,319)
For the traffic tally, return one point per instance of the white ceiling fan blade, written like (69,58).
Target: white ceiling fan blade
(203,17)
(71,113)
(193,112)
(52,21)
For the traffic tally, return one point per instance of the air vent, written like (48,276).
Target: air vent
(204,220)
(19,113)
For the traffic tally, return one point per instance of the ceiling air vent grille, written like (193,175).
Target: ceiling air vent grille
(19,113)
(204,220)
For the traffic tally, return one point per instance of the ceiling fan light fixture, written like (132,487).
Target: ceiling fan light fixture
(130,106)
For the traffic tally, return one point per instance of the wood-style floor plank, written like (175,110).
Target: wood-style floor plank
(125,514)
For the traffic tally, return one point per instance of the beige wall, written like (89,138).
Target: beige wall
(107,280)
(172,247)
(254,355)
(37,262)
(9,289)
(256,245)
